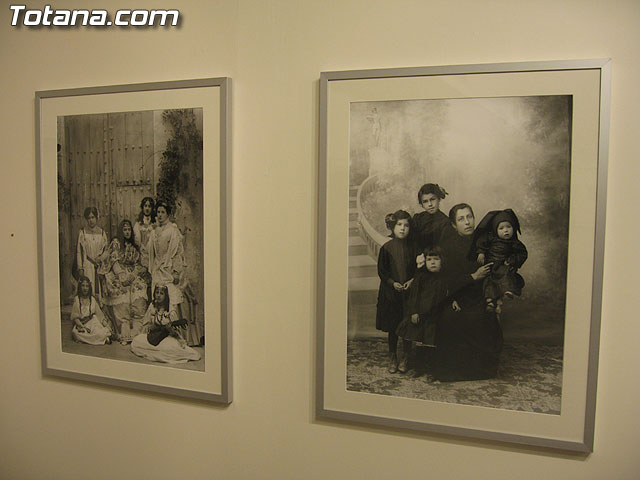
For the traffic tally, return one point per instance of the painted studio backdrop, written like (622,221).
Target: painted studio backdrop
(492,153)
(107,164)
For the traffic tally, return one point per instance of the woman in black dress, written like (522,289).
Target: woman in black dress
(468,339)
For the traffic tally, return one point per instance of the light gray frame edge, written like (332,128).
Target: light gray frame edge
(604,66)
(224,83)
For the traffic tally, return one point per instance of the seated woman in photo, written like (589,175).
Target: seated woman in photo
(89,324)
(125,283)
(161,340)
(468,338)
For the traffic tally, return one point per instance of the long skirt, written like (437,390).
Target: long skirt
(194,331)
(468,345)
(97,334)
(168,350)
(128,317)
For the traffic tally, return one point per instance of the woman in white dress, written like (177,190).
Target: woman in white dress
(166,255)
(89,324)
(161,340)
(167,267)
(92,242)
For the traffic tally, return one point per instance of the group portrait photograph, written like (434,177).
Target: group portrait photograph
(458,249)
(130,216)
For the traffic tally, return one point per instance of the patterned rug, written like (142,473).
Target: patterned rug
(529,378)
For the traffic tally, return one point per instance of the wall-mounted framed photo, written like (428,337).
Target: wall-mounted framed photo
(134,236)
(461,243)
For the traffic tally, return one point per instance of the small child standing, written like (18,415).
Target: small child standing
(427,299)
(396,267)
(89,324)
(496,242)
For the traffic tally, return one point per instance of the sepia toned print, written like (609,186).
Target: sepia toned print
(130,216)
(496,339)
(461,248)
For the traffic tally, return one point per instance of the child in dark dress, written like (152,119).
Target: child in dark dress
(396,267)
(427,298)
(496,241)
(428,225)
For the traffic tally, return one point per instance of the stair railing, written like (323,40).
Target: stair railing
(372,238)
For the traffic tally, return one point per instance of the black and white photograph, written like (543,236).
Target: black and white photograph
(130,211)
(458,243)
(133,217)
(461,233)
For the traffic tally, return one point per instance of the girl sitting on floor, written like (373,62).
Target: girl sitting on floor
(89,324)
(160,340)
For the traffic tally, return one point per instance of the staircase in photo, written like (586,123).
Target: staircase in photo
(364,244)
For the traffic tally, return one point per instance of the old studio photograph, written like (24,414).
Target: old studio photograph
(461,232)
(130,211)
(458,235)
(134,264)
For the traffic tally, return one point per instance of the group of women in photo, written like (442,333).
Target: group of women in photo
(134,289)
(442,285)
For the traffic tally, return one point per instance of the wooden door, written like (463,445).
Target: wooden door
(132,159)
(105,161)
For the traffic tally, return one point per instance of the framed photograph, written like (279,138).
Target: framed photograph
(134,237)
(461,242)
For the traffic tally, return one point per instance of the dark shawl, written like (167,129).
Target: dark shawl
(427,228)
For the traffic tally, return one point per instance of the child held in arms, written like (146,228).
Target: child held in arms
(496,241)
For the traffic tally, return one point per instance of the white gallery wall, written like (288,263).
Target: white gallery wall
(274,50)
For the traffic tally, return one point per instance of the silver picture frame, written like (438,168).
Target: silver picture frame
(586,83)
(206,104)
